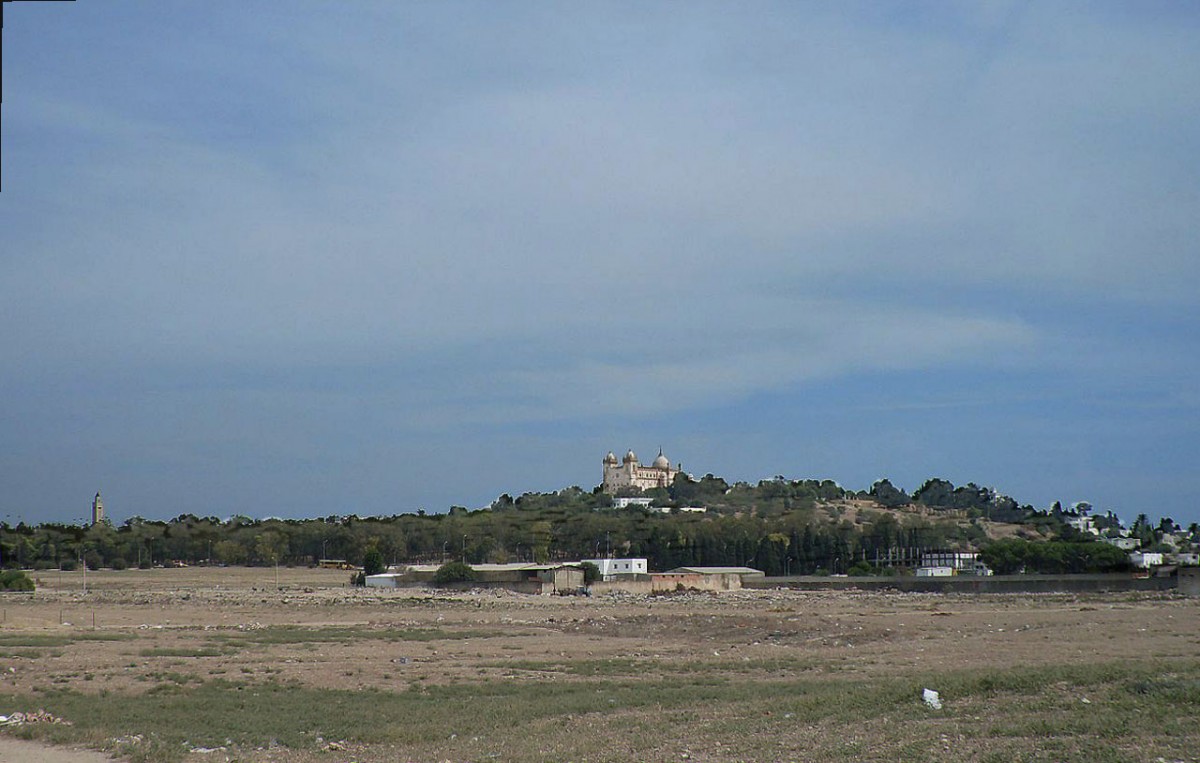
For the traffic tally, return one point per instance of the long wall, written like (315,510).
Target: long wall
(659,582)
(976,584)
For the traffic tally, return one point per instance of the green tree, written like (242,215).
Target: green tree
(15,580)
(888,495)
(270,547)
(591,573)
(373,561)
(454,572)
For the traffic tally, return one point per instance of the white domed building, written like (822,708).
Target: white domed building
(629,474)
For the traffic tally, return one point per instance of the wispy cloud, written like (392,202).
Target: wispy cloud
(492,221)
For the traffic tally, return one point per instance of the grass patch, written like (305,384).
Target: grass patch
(46,640)
(291,634)
(641,667)
(1135,711)
(27,654)
(183,652)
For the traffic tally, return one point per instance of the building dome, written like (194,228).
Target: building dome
(611,458)
(661,462)
(630,457)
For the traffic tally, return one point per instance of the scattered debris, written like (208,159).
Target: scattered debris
(932,698)
(37,716)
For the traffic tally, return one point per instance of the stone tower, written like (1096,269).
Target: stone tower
(97,510)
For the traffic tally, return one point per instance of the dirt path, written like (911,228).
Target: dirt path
(20,751)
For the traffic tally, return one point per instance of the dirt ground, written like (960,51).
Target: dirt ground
(133,630)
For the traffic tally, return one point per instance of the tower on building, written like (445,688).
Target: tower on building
(97,510)
(631,475)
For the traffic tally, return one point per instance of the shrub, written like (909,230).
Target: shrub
(120,564)
(43,564)
(15,580)
(68,565)
(454,572)
(860,569)
(144,564)
(591,573)
(373,562)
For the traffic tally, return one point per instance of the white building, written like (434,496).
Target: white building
(624,503)
(1125,544)
(682,509)
(958,560)
(935,572)
(1084,525)
(630,475)
(1144,560)
(610,568)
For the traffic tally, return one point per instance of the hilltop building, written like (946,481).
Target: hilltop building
(97,510)
(630,475)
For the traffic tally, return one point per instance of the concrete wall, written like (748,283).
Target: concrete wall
(662,582)
(976,584)
(1189,580)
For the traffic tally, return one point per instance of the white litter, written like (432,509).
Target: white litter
(932,698)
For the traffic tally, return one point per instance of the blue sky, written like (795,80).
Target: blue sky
(308,258)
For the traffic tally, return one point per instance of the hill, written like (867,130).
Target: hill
(779,525)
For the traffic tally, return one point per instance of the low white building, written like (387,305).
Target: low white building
(1084,524)
(1144,560)
(681,509)
(383,580)
(624,503)
(610,568)
(935,572)
(1125,544)
(961,562)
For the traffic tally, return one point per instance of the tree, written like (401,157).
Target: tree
(591,573)
(230,552)
(454,572)
(888,495)
(270,547)
(373,562)
(15,580)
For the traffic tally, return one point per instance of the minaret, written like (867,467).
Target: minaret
(97,510)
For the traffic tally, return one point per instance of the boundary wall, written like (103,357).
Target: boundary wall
(976,583)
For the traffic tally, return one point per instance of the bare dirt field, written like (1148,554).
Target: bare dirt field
(215,664)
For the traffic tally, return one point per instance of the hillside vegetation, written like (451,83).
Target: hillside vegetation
(780,526)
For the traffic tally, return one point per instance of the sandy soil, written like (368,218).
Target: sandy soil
(18,751)
(166,613)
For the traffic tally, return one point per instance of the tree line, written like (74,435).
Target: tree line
(780,526)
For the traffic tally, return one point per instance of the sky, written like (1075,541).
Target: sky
(368,257)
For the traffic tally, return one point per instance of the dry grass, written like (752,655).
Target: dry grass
(214,658)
